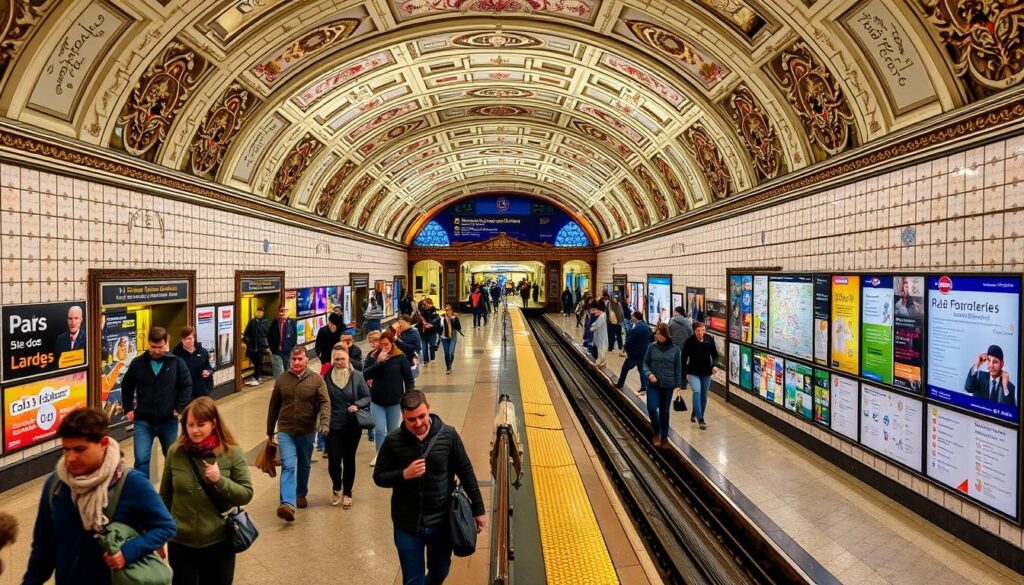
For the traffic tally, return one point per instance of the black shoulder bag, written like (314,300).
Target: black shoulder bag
(240,527)
(460,520)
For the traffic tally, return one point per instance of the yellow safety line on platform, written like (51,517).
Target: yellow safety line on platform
(574,548)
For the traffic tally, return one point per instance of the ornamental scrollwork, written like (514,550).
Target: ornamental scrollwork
(17,17)
(219,129)
(294,165)
(710,161)
(371,205)
(984,38)
(333,187)
(638,201)
(756,130)
(353,197)
(660,204)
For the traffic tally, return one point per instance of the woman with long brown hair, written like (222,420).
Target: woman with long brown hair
(390,376)
(206,453)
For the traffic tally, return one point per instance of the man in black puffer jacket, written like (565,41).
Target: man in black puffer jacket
(421,500)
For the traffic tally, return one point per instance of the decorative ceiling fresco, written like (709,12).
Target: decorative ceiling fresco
(369,113)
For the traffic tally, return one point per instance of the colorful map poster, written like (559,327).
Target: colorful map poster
(891,425)
(799,389)
(822,305)
(791,315)
(33,411)
(846,323)
(746,305)
(845,406)
(908,333)
(877,323)
(746,367)
(975,457)
(822,398)
(760,310)
(735,289)
(974,343)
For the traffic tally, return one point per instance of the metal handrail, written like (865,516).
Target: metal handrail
(506,463)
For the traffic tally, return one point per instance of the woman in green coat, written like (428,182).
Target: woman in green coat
(201,552)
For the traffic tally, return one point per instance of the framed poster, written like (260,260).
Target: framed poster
(735,290)
(734,363)
(300,331)
(822,398)
(225,335)
(891,424)
(759,310)
(677,301)
(845,406)
(822,308)
(346,304)
(876,328)
(291,303)
(120,347)
(206,331)
(42,339)
(659,298)
(845,353)
(320,299)
(908,333)
(746,368)
(973,343)
(695,308)
(717,317)
(304,302)
(799,389)
(637,297)
(746,308)
(791,315)
(33,410)
(333,297)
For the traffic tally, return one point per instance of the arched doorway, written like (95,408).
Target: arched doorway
(576,274)
(426,281)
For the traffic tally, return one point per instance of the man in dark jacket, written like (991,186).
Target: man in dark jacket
(428,330)
(355,354)
(681,328)
(495,296)
(281,337)
(256,344)
(567,304)
(637,340)
(154,391)
(408,339)
(420,462)
(325,340)
(62,545)
(198,361)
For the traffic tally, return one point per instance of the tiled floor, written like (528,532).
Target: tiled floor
(327,545)
(857,534)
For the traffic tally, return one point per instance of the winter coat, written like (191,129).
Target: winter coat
(155,397)
(637,340)
(296,402)
(390,379)
(599,329)
(355,392)
(255,335)
(291,336)
(197,361)
(699,357)
(680,329)
(666,363)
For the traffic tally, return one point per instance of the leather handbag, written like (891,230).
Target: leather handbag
(460,521)
(679,403)
(240,527)
(364,419)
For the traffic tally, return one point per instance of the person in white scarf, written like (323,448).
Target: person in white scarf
(90,491)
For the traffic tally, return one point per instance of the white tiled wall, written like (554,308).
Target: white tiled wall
(53,229)
(967,210)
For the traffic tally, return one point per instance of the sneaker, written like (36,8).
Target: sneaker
(335,497)
(448,372)
(693,417)
(303,502)
(703,426)
(252,383)
(346,502)
(373,462)
(286,513)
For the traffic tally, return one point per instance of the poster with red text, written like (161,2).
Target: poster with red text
(33,411)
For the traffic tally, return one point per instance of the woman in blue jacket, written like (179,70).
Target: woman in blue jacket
(663,368)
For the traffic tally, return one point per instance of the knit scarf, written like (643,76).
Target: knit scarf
(90,492)
(202,449)
(340,377)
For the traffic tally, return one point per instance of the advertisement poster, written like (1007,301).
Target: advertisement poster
(695,306)
(746,302)
(799,389)
(891,425)
(973,343)
(637,297)
(778,388)
(304,302)
(822,304)
(346,304)
(225,334)
(659,299)
(677,301)
(717,317)
(760,373)
(846,323)
(735,291)
(877,322)
(844,406)
(976,457)
(33,411)
(206,331)
(333,297)
(310,325)
(791,315)
(320,299)
(120,346)
(746,367)
(908,332)
(42,339)
(291,303)
(821,397)
(769,375)
(390,307)
(722,356)
(396,295)
(760,310)
(734,363)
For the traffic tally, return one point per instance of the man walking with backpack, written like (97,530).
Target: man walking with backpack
(420,462)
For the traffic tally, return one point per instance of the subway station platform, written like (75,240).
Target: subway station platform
(835,528)
(569,525)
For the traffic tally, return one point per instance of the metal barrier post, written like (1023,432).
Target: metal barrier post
(506,454)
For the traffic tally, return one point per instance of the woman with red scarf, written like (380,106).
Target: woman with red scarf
(206,453)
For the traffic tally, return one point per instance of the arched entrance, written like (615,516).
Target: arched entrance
(426,281)
(577,275)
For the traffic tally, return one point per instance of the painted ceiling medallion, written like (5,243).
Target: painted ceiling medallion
(756,131)
(333,187)
(600,136)
(674,186)
(638,201)
(500,92)
(611,120)
(17,17)
(984,38)
(314,41)
(496,40)
(353,197)
(660,204)
(371,206)
(219,129)
(573,9)
(499,111)
(618,220)
(710,161)
(671,45)
(817,98)
(294,165)
(155,101)
(391,134)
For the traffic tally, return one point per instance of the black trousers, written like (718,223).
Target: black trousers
(257,363)
(341,457)
(209,565)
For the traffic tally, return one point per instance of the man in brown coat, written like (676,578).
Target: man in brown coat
(300,396)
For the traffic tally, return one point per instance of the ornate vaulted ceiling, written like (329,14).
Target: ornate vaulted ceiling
(370,113)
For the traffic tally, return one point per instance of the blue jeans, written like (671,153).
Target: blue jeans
(437,540)
(628,365)
(296,451)
(428,343)
(387,418)
(277,362)
(145,432)
(449,350)
(659,408)
(700,385)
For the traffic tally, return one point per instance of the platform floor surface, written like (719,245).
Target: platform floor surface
(857,534)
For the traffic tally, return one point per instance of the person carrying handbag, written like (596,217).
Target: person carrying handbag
(206,457)
(450,329)
(349,395)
